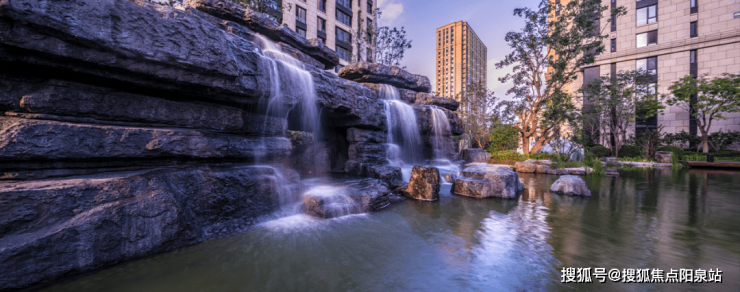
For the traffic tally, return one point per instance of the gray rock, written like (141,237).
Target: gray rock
(65,100)
(263,24)
(355,135)
(24,140)
(486,181)
(55,228)
(570,185)
(172,51)
(475,155)
(610,159)
(663,156)
(355,197)
(558,172)
(429,99)
(392,75)
(424,183)
(348,104)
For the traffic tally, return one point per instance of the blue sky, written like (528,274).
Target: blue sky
(490,19)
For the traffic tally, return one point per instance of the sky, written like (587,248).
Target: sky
(490,19)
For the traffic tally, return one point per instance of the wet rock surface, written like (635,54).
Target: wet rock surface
(570,185)
(355,197)
(487,181)
(663,156)
(89,222)
(424,183)
(392,75)
(429,99)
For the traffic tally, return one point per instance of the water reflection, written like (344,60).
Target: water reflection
(642,219)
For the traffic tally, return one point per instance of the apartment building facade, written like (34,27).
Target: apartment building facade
(673,39)
(334,22)
(461,59)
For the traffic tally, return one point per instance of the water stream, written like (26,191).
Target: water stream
(641,219)
(442,144)
(403,137)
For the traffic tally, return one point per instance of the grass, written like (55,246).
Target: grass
(635,159)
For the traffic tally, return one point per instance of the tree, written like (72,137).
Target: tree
(478,111)
(707,100)
(618,101)
(272,8)
(503,137)
(390,45)
(363,39)
(547,55)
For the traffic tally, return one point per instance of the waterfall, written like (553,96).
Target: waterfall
(442,143)
(403,138)
(292,95)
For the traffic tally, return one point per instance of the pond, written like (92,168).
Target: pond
(644,219)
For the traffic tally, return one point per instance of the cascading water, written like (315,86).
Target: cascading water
(442,143)
(403,138)
(292,94)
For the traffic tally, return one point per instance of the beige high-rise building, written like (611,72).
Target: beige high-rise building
(673,38)
(332,21)
(461,59)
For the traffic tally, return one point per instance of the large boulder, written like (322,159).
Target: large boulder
(475,155)
(265,25)
(486,181)
(379,73)
(570,185)
(424,183)
(663,156)
(354,197)
(534,166)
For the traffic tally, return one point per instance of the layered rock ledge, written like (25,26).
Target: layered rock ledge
(392,75)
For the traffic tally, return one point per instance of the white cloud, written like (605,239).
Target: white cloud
(391,9)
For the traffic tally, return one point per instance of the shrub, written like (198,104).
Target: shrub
(677,151)
(503,137)
(600,151)
(629,151)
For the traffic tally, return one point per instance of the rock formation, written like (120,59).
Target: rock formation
(475,155)
(486,181)
(129,129)
(570,185)
(424,184)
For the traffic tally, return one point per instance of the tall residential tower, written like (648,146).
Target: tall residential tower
(461,59)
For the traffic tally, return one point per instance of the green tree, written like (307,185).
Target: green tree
(548,53)
(503,137)
(390,45)
(706,99)
(478,111)
(618,101)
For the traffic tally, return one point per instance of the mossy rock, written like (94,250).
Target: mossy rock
(675,150)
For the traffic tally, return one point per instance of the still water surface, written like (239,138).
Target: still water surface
(642,219)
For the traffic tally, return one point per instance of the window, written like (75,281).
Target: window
(301,32)
(322,5)
(300,14)
(694,7)
(614,45)
(345,3)
(369,30)
(692,28)
(614,17)
(343,53)
(647,15)
(343,36)
(369,55)
(321,27)
(557,7)
(369,6)
(337,68)
(647,64)
(344,18)
(647,38)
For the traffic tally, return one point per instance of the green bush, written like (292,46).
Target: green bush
(503,137)
(629,151)
(507,155)
(600,151)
